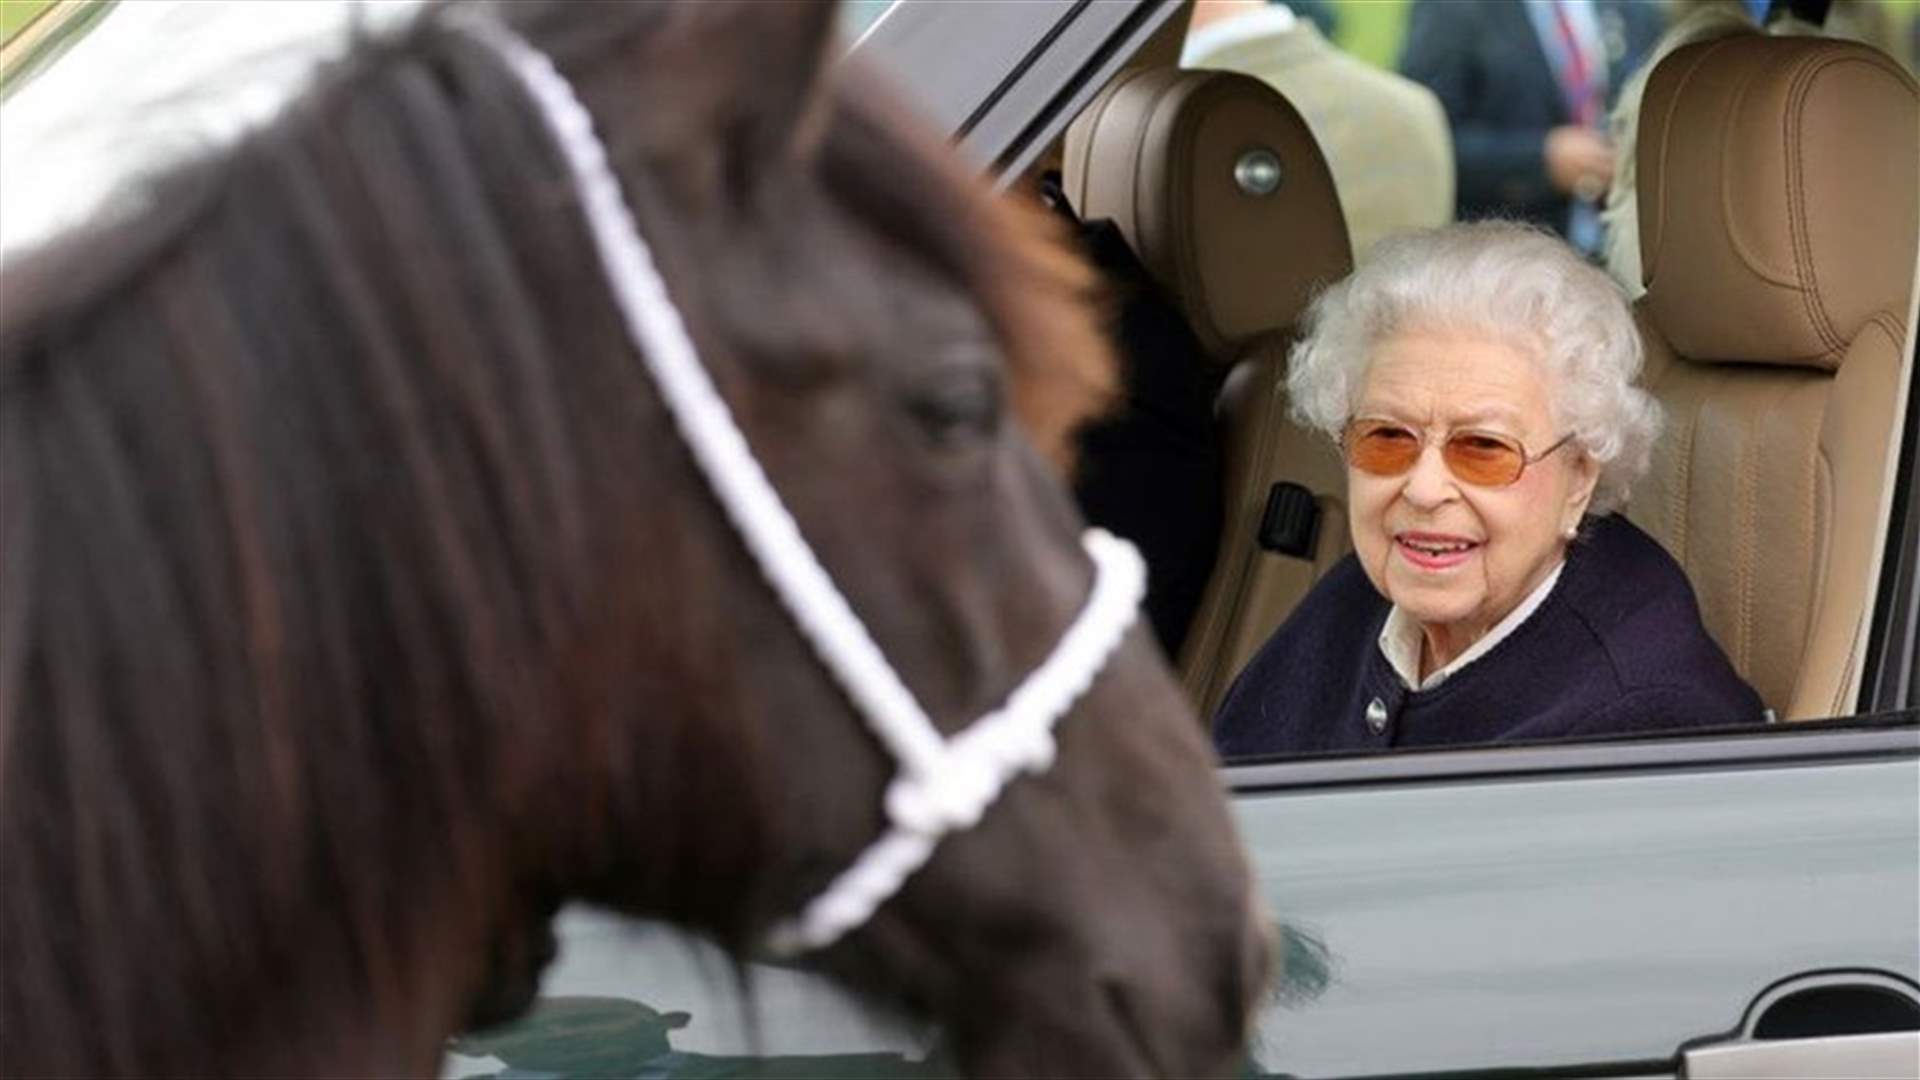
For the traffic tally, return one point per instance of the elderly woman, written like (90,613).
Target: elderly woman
(1479,380)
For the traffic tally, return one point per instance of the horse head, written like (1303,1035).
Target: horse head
(363,603)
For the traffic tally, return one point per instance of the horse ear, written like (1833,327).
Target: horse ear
(771,64)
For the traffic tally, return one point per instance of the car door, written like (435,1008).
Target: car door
(1603,910)
(1590,910)
(1739,904)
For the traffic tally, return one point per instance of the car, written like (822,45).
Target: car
(1723,903)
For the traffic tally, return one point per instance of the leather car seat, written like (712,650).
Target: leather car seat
(1216,182)
(1779,192)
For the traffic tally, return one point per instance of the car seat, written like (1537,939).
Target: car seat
(1219,187)
(1779,192)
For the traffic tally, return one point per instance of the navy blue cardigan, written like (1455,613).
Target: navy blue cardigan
(1617,646)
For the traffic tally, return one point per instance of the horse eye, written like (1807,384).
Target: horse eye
(955,405)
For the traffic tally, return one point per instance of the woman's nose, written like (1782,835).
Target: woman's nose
(1429,482)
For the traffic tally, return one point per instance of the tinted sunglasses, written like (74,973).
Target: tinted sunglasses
(1480,458)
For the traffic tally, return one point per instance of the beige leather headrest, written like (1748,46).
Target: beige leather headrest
(1180,160)
(1779,191)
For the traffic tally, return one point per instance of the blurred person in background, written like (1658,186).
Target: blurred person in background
(1883,25)
(1526,85)
(1384,136)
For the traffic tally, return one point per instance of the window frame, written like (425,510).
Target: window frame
(1886,736)
(1005,123)
(1005,87)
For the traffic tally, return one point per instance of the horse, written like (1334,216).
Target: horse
(359,603)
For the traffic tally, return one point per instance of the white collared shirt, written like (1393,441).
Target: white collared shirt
(1401,638)
(1259,22)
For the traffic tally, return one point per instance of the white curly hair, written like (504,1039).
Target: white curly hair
(1512,283)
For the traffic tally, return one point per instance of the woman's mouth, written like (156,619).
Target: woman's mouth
(1434,551)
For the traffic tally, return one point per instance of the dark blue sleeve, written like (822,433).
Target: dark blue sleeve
(1242,726)
(1496,162)
(1305,672)
(1674,708)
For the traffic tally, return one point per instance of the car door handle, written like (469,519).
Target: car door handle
(1893,1055)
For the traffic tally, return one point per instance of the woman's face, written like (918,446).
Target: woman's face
(1456,557)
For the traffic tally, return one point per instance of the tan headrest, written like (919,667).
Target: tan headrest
(1779,190)
(1181,161)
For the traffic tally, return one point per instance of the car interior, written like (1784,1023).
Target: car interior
(1778,274)
(1776,178)
(1160,153)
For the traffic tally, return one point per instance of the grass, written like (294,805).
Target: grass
(38,31)
(15,14)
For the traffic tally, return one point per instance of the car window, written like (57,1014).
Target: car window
(858,16)
(1276,563)
(1026,70)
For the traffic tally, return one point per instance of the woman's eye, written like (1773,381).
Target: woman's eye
(1480,444)
(1387,434)
(956,406)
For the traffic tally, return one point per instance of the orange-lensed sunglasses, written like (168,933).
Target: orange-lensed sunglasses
(1480,458)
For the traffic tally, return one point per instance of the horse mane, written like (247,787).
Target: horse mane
(335,516)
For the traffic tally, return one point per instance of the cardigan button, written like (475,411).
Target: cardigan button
(1376,716)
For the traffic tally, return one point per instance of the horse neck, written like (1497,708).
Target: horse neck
(361,1048)
(338,1000)
(398,1032)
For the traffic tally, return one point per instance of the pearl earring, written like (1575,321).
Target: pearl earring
(1570,531)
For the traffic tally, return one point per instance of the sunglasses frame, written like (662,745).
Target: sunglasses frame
(1347,438)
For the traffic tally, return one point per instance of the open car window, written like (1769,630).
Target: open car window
(1863,667)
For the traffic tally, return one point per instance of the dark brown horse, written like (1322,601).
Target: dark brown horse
(359,605)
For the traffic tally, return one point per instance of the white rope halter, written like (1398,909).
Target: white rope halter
(943,784)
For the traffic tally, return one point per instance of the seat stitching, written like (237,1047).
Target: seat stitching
(1242,550)
(1094,128)
(1192,274)
(1823,567)
(1179,243)
(1788,277)
(1193,281)
(1136,157)
(1782,391)
(1892,324)
(1744,554)
(1798,216)
(1222,597)
(1747,509)
(1895,328)
(1259,478)
(1247,548)
(1650,260)
(1796,230)
(1818,531)
(1836,704)
(1678,494)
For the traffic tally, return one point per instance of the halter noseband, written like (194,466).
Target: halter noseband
(943,785)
